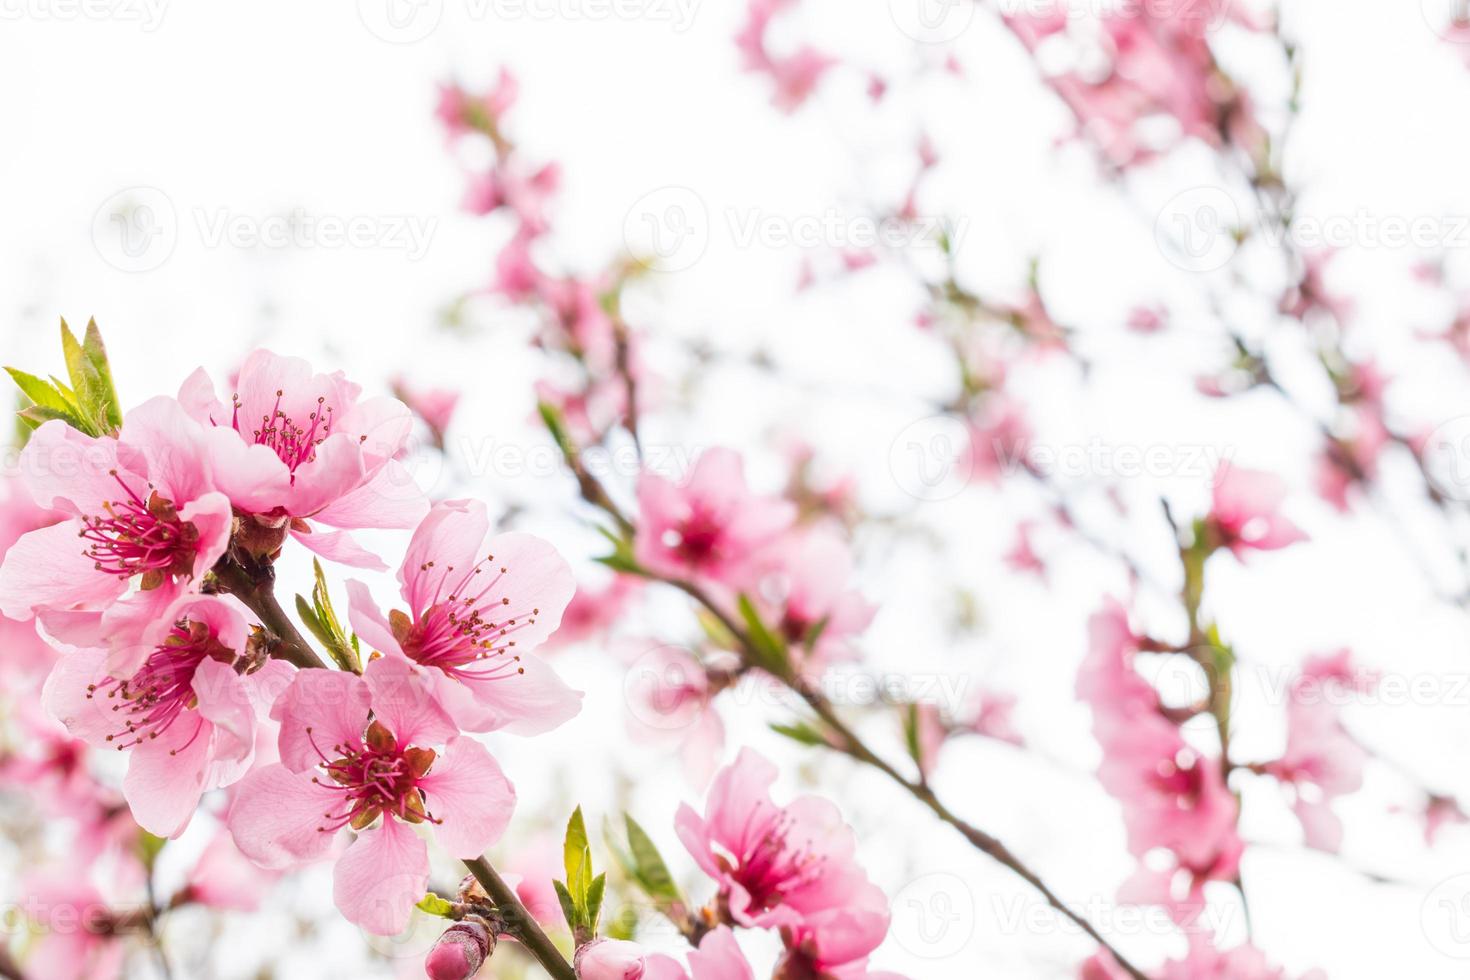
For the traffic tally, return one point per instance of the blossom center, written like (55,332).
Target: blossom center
(697,538)
(375,777)
(469,629)
(293,440)
(134,536)
(772,866)
(162,691)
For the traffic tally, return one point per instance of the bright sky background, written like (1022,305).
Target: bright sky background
(217,116)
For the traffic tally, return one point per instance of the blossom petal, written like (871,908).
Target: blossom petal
(449,538)
(340,547)
(321,709)
(381,876)
(276,816)
(50,568)
(403,702)
(469,793)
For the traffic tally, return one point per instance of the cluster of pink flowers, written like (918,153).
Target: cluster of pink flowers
(790,869)
(1159,65)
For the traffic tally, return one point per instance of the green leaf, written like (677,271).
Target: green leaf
(766,649)
(35,416)
(800,732)
(42,393)
(594,900)
(568,907)
(432,904)
(96,355)
(89,404)
(911,733)
(320,618)
(577,857)
(647,865)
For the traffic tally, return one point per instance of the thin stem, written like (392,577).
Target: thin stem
(519,922)
(855,748)
(256,588)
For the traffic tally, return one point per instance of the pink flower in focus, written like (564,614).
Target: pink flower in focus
(293,445)
(778,866)
(144,511)
(609,959)
(711,527)
(186,717)
(1246,511)
(477,607)
(355,753)
(836,942)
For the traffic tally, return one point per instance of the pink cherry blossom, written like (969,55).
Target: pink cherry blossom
(1000,438)
(712,526)
(1322,761)
(355,752)
(610,959)
(593,611)
(434,405)
(186,718)
(293,446)
(1022,556)
(671,697)
(76,933)
(1173,796)
(810,599)
(478,606)
(1245,514)
(836,942)
(461,112)
(776,866)
(796,74)
(718,957)
(144,511)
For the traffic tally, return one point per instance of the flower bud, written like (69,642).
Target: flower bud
(609,959)
(459,953)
